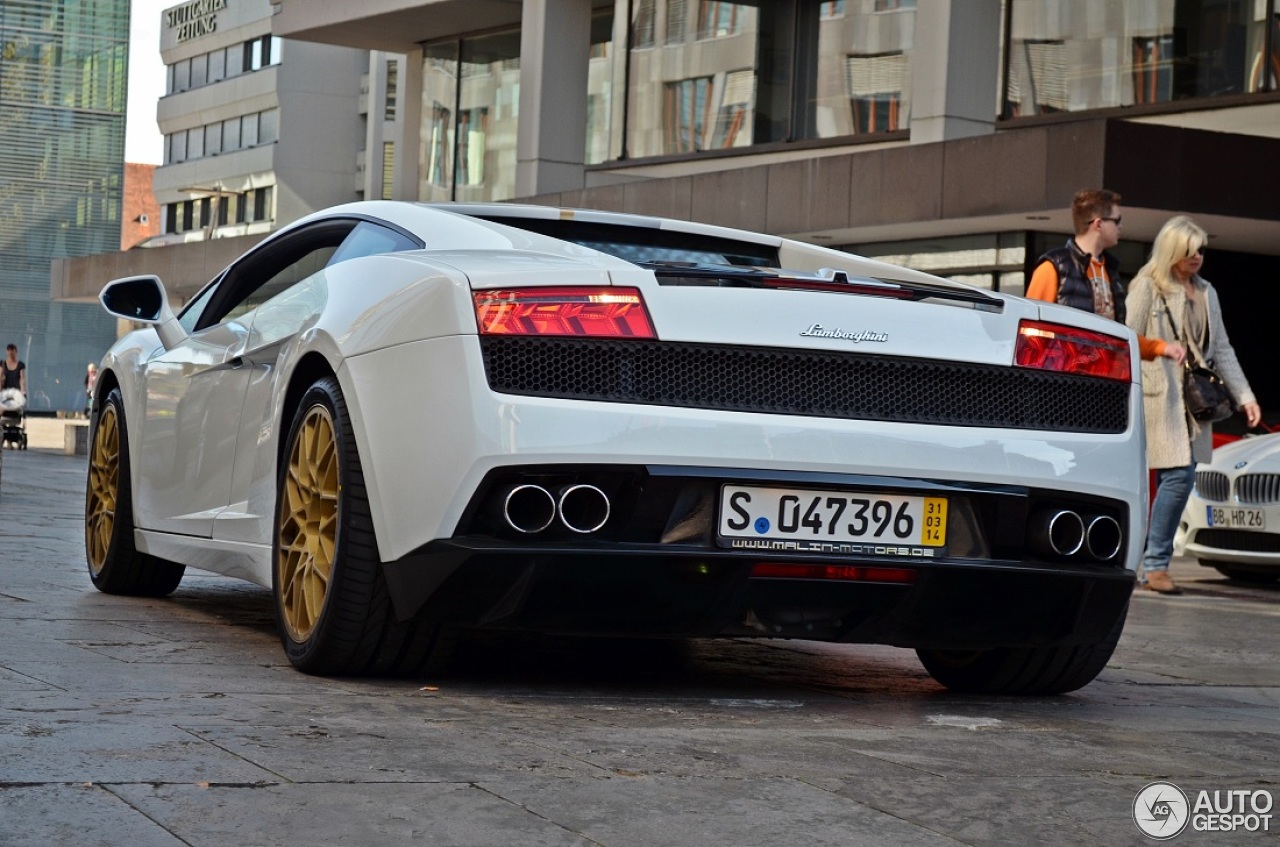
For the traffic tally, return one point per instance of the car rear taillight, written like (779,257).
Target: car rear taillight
(1054,347)
(847,573)
(591,312)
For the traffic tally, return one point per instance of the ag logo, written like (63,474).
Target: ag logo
(1161,810)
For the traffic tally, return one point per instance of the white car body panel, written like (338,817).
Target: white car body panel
(454,448)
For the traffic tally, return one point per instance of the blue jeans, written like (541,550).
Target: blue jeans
(1173,487)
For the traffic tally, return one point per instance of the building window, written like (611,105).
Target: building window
(1106,55)
(875,92)
(471,97)
(643,25)
(719,19)
(685,114)
(600,89)
(778,70)
(389,95)
(388,170)
(213,139)
(223,137)
(219,64)
(181,75)
(894,5)
(199,71)
(1153,69)
(1038,78)
(262,210)
(677,21)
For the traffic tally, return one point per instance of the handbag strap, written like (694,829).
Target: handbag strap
(1184,337)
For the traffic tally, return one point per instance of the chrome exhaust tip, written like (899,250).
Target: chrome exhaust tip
(1103,538)
(1060,531)
(583,508)
(528,508)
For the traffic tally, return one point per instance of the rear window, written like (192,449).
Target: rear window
(644,244)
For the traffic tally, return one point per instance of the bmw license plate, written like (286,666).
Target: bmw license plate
(1237,518)
(840,522)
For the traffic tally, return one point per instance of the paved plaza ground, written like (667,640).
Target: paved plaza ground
(162,723)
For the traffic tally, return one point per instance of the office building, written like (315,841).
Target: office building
(62,101)
(257,130)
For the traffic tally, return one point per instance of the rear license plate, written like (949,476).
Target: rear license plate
(1237,518)
(842,522)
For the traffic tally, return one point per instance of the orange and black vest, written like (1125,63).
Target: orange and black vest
(1074,289)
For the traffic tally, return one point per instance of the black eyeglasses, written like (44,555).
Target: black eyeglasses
(1116,220)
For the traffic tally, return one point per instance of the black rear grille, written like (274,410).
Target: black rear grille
(801,382)
(1243,540)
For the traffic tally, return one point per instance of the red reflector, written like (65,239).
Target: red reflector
(1053,347)
(850,573)
(595,312)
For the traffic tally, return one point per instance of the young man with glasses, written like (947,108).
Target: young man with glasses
(1083,274)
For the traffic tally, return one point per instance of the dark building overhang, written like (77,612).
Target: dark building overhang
(1018,178)
(397,26)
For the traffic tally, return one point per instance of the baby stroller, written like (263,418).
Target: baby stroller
(13,418)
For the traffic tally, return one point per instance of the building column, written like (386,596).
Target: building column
(371,185)
(408,127)
(955,69)
(555,41)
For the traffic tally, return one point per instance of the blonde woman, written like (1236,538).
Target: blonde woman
(1169,300)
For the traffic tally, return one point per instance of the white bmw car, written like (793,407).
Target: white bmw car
(410,421)
(1232,519)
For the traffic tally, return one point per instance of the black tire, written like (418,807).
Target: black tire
(333,608)
(1243,573)
(115,565)
(1023,670)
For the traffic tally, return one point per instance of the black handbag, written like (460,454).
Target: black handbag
(1204,391)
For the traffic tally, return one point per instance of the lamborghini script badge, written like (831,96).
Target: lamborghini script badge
(819,331)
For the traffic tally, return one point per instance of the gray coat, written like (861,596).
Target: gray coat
(1173,438)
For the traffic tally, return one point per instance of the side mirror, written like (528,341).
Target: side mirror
(144,300)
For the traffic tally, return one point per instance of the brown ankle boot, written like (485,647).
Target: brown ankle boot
(1161,583)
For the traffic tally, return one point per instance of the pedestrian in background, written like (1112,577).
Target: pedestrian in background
(90,377)
(1084,275)
(13,372)
(1169,300)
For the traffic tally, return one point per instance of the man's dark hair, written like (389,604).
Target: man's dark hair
(1090,204)
(13,347)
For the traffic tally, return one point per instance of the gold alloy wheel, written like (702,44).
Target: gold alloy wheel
(104,489)
(308,523)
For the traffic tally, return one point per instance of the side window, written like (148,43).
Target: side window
(190,316)
(273,267)
(288,260)
(370,239)
(284,278)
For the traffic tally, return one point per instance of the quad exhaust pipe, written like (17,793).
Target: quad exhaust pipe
(1103,537)
(530,509)
(1065,533)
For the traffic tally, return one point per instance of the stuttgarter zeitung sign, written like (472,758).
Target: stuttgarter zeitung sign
(194,19)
